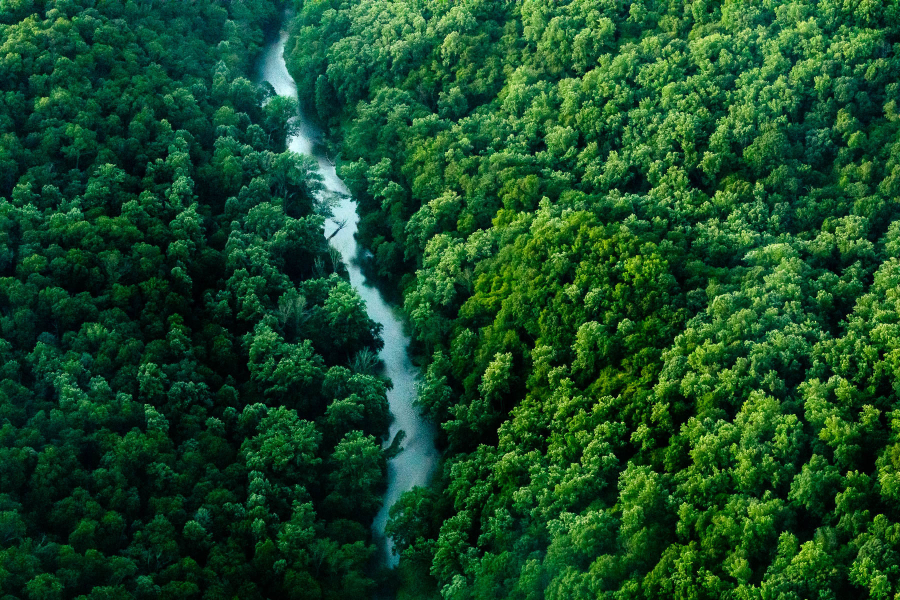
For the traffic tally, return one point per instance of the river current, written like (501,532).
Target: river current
(415,464)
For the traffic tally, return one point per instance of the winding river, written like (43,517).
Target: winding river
(415,464)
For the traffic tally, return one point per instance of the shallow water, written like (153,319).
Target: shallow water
(415,464)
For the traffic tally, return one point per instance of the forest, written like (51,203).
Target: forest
(650,255)
(189,405)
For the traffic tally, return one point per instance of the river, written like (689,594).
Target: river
(415,464)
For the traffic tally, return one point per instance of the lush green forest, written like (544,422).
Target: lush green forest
(650,255)
(188,407)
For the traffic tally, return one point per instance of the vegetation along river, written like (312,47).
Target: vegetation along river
(414,465)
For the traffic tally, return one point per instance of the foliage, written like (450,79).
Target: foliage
(177,415)
(648,252)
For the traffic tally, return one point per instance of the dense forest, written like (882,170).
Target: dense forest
(650,255)
(189,405)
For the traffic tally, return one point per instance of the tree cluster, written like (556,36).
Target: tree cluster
(183,410)
(650,257)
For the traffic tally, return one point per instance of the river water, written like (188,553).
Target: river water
(415,464)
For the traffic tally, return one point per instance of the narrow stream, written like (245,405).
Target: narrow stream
(414,465)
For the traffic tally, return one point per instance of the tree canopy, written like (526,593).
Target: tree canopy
(179,412)
(648,251)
